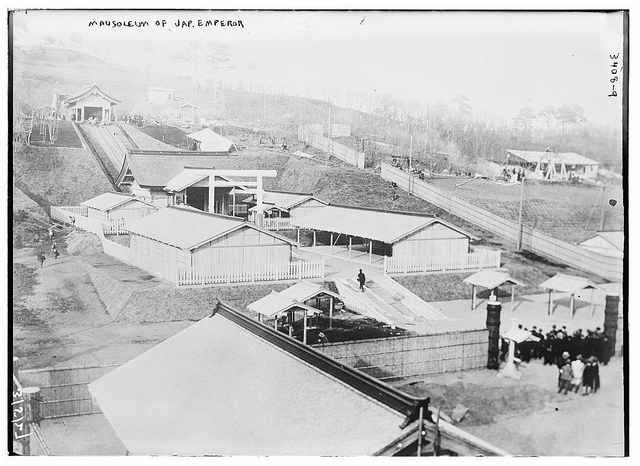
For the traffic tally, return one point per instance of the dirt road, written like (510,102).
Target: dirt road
(60,319)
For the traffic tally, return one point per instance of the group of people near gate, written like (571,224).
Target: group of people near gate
(551,345)
(578,373)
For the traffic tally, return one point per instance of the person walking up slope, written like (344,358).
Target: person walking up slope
(361,280)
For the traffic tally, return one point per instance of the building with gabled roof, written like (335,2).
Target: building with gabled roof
(386,233)
(229,385)
(91,102)
(282,204)
(118,207)
(607,243)
(148,172)
(187,238)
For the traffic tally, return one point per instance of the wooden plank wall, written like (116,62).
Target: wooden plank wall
(64,390)
(532,240)
(396,357)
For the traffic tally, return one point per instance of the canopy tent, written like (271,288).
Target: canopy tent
(210,141)
(568,284)
(490,279)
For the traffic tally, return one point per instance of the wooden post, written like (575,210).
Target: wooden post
(550,302)
(512,295)
(593,309)
(349,247)
(260,196)
(420,418)
(571,305)
(519,232)
(473,297)
(331,249)
(212,193)
(370,251)
(298,231)
(304,330)
(314,238)
(331,312)
(275,323)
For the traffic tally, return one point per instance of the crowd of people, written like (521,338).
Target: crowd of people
(550,346)
(512,175)
(577,355)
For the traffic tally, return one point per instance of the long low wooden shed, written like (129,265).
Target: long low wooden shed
(387,233)
(191,238)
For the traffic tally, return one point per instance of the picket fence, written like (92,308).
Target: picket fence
(484,259)
(311,136)
(255,272)
(532,240)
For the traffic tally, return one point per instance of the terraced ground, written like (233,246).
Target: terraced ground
(568,212)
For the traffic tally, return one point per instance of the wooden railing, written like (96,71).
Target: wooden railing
(236,273)
(415,264)
(532,240)
(277,224)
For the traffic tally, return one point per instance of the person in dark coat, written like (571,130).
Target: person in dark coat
(361,280)
(547,349)
(591,376)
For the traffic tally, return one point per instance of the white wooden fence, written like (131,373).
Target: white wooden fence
(255,272)
(77,216)
(229,273)
(532,240)
(351,156)
(413,264)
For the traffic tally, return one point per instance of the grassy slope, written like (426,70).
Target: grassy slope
(58,176)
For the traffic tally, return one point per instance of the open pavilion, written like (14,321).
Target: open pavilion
(353,233)
(568,284)
(295,298)
(491,280)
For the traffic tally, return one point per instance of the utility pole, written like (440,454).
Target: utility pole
(329,132)
(602,210)
(519,238)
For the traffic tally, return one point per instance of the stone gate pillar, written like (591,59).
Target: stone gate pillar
(494,307)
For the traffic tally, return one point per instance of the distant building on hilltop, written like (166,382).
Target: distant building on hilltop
(159,96)
(554,165)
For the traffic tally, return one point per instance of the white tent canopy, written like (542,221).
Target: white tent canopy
(210,141)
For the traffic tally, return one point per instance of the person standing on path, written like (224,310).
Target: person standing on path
(54,250)
(361,280)
(51,235)
(41,258)
(566,376)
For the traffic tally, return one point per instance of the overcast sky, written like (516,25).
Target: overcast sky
(499,60)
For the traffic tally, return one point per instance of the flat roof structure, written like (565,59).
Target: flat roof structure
(228,385)
(568,158)
(188,229)
(385,226)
